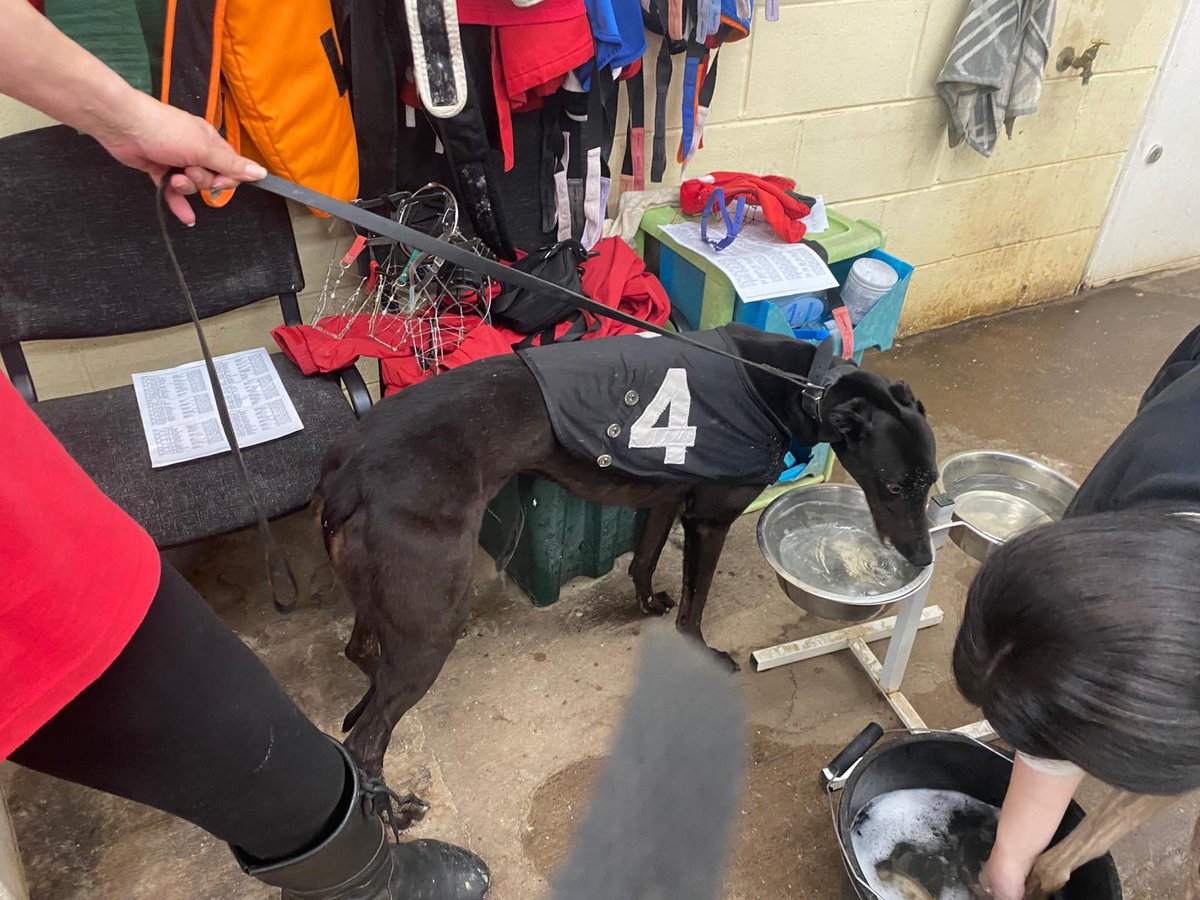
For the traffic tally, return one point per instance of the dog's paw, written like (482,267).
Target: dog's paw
(659,604)
(725,660)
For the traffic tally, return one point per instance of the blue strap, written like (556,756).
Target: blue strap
(691,68)
(733,224)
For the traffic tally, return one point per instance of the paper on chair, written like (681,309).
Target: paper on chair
(758,264)
(179,411)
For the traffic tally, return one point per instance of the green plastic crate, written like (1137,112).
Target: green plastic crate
(546,536)
(701,292)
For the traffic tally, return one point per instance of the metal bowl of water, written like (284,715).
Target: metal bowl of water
(822,544)
(999,495)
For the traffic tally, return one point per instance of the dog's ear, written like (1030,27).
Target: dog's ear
(852,420)
(904,396)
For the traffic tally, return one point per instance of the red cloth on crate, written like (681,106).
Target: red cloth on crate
(614,276)
(770,192)
(76,575)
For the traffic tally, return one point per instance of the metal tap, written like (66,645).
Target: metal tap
(1083,62)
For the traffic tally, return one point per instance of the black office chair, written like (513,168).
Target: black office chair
(81,256)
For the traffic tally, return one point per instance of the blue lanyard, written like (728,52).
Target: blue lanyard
(733,224)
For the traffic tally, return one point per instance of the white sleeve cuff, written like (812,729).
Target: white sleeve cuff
(1059,768)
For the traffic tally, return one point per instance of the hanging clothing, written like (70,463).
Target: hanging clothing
(653,408)
(76,575)
(278,80)
(530,63)
(618,32)
(401,147)
(614,276)
(505,12)
(995,69)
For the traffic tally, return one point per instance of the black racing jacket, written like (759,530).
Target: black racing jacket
(651,407)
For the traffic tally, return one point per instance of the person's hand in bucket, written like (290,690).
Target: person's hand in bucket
(69,84)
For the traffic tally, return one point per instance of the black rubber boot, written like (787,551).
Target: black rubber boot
(357,862)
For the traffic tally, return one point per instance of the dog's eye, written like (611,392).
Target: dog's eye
(894,489)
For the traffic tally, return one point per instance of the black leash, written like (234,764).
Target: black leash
(377,224)
(278,571)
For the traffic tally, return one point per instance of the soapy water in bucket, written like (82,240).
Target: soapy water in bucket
(918,844)
(847,560)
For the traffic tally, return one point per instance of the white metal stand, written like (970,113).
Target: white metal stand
(902,628)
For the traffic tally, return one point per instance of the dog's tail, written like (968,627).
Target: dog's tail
(335,500)
(355,714)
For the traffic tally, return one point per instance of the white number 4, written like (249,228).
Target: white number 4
(677,435)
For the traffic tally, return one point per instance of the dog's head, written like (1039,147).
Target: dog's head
(882,438)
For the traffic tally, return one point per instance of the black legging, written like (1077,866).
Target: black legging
(188,720)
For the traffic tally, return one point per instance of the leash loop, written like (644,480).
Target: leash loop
(284,588)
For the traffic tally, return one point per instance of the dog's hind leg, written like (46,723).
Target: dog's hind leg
(706,521)
(363,650)
(658,526)
(407,669)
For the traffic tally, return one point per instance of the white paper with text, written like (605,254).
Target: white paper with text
(757,263)
(179,410)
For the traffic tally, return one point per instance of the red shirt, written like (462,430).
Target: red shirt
(505,12)
(76,575)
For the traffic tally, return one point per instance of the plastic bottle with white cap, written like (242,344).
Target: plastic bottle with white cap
(869,279)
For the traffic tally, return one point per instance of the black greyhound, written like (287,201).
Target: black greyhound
(402,497)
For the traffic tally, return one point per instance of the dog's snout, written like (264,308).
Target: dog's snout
(922,557)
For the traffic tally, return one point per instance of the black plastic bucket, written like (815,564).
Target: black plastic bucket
(951,762)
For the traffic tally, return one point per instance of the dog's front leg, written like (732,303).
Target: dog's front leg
(645,559)
(703,541)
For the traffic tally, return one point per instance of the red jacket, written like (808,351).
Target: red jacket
(76,575)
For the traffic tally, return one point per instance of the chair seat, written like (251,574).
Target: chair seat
(205,497)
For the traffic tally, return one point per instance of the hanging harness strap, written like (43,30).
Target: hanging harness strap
(662,85)
(633,167)
(704,102)
(693,77)
(437,52)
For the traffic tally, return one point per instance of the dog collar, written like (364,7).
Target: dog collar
(822,375)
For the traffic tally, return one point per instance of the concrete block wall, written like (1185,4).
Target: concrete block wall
(840,95)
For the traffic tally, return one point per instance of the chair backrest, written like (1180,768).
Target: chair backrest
(81,254)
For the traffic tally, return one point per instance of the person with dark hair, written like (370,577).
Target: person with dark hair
(114,672)
(1080,640)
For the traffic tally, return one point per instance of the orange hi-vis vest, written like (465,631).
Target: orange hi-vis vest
(271,73)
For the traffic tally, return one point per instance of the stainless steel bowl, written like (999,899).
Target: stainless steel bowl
(831,505)
(999,495)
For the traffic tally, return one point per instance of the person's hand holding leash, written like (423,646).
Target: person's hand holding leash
(41,66)
(156,137)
